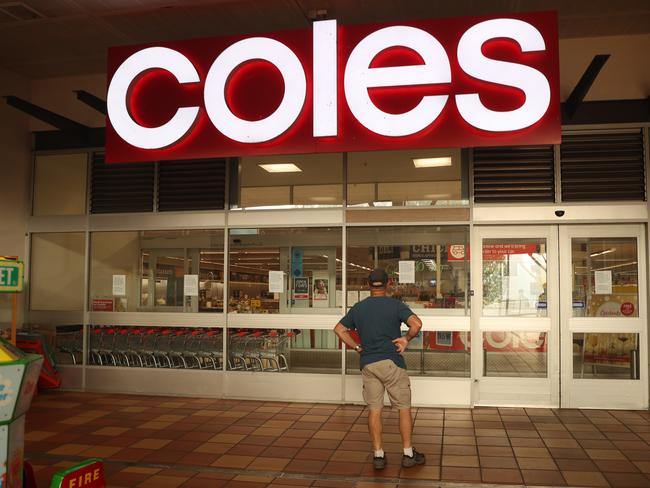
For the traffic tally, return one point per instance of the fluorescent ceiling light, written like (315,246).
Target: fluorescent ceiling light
(432,162)
(383,204)
(280,168)
(606,251)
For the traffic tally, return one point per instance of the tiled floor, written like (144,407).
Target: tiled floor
(191,442)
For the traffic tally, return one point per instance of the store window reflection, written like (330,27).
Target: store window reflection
(516,354)
(295,181)
(284,351)
(605,277)
(514,277)
(285,270)
(419,178)
(431,353)
(606,356)
(435,268)
(146,271)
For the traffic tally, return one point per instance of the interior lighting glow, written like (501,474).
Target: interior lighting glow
(280,168)
(606,251)
(432,162)
(295,90)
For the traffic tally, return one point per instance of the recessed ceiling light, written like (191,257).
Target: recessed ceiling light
(432,162)
(280,168)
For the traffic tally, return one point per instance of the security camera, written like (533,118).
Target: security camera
(559,213)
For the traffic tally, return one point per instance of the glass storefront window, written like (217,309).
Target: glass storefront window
(514,277)
(419,178)
(605,277)
(60,184)
(156,347)
(516,354)
(309,261)
(284,350)
(606,356)
(153,265)
(295,181)
(431,353)
(57,271)
(438,255)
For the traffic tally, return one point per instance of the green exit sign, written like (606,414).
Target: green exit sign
(11,276)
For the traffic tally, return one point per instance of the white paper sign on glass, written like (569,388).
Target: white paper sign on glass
(276,281)
(353,297)
(119,285)
(364,294)
(603,282)
(191,285)
(407,271)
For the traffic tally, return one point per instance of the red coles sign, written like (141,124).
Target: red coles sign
(462,82)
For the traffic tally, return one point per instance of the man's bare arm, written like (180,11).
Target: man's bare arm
(414,324)
(342,332)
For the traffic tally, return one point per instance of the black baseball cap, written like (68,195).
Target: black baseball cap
(378,278)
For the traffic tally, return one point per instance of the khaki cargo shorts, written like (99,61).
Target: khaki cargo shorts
(383,376)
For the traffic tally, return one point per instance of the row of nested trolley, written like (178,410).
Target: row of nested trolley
(180,348)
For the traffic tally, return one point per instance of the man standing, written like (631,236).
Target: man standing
(378,319)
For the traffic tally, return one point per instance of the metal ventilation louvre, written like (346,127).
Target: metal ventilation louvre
(513,174)
(121,187)
(191,185)
(602,166)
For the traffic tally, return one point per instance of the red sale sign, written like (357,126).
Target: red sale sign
(463,82)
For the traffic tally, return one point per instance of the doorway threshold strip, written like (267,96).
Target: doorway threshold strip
(278,476)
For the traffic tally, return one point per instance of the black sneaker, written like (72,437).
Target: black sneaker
(415,459)
(379,462)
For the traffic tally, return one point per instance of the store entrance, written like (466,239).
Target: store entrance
(560,316)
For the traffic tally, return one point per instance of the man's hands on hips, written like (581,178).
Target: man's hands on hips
(401,344)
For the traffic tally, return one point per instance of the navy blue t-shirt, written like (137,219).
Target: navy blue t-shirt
(378,321)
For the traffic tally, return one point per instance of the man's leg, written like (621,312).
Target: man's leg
(406,427)
(375,428)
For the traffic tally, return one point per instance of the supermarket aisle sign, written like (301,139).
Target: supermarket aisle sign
(459,82)
(11,276)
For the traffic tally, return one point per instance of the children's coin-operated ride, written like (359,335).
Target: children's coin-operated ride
(18,379)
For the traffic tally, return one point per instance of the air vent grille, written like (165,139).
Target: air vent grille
(513,174)
(121,187)
(191,185)
(599,166)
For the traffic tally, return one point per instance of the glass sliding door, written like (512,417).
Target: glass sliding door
(604,316)
(515,328)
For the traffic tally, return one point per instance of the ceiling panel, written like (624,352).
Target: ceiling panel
(75,34)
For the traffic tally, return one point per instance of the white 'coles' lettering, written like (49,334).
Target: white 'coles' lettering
(358,78)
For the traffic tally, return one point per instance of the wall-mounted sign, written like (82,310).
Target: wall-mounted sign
(301,288)
(459,82)
(11,276)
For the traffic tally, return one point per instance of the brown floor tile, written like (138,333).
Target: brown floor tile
(198,459)
(493,441)
(452,473)
(498,462)
(535,452)
(342,468)
(495,475)
(232,461)
(305,466)
(324,444)
(616,466)
(536,463)
(644,466)
(150,444)
(575,464)
(543,477)
(351,456)
(585,478)
(467,461)
(563,443)
(598,454)
(568,453)
(627,480)
(268,464)
(315,454)
(422,472)
(494,451)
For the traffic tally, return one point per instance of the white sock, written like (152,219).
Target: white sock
(379,453)
(408,452)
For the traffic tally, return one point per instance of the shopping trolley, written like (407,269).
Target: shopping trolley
(70,343)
